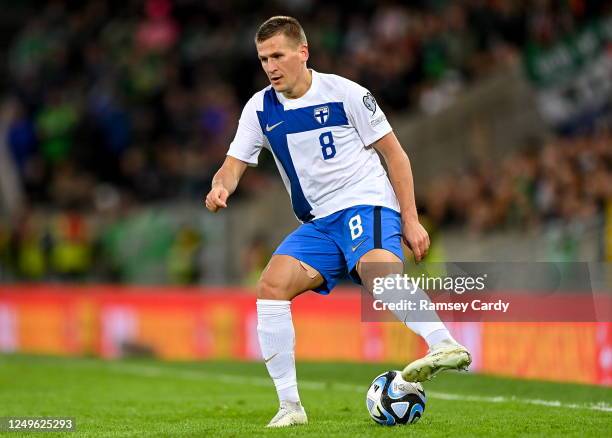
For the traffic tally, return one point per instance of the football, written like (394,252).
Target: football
(391,400)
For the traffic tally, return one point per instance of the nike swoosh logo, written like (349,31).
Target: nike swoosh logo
(270,128)
(353,248)
(270,358)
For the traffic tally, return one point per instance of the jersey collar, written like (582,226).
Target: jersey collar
(314,85)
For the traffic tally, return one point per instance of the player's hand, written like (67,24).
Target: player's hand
(417,239)
(216,199)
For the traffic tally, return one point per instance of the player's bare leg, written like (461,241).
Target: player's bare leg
(282,280)
(444,352)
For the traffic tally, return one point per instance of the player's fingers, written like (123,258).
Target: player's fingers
(424,246)
(218,203)
(213,200)
(219,198)
(223,194)
(416,250)
(210,204)
(213,208)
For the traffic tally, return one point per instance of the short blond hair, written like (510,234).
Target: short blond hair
(281,24)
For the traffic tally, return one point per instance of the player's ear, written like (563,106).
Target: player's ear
(304,54)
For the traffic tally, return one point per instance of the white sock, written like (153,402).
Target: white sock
(425,323)
(439,335)
(277,343)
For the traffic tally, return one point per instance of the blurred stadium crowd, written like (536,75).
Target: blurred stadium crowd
(146,96)
(114,104)
(568,180)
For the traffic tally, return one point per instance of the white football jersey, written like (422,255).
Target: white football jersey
(321,143)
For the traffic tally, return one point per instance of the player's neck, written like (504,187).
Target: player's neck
(301,87)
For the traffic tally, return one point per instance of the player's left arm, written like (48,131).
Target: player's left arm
(400,175)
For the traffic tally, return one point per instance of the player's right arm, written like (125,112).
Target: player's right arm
(224,183)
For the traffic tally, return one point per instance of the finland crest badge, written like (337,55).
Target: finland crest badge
(321,114)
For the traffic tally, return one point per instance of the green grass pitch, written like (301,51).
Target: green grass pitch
(231,399)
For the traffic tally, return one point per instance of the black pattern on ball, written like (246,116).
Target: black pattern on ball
(391,406)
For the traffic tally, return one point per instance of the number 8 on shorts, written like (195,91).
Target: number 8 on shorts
(355,226)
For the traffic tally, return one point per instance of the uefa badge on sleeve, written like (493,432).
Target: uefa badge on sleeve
(370,102)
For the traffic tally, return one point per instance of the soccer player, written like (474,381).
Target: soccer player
(323,131)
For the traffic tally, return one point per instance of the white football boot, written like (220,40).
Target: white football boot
(442,356)
(289,414)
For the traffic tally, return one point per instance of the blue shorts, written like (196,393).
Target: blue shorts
(334,244)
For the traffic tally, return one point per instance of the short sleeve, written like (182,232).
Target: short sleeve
(249,138)
(367,117)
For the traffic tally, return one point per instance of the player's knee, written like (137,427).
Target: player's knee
(267,289)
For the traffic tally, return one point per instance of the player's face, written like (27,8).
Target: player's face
(284,61)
